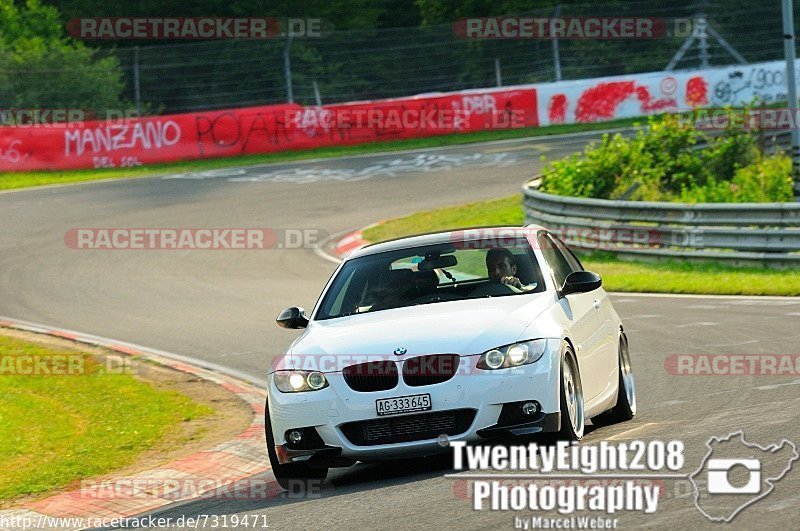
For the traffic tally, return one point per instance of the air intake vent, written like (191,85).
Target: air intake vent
(408,428)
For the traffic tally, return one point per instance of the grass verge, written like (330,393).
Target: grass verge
(85,421)
(672,276)
(25,179)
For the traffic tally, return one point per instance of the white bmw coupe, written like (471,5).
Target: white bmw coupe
(463,335)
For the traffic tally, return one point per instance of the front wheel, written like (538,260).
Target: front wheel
(625,408)
(572,408)
(294,477)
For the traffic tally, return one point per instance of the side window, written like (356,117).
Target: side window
(574,263)
(556,260)
(335,308)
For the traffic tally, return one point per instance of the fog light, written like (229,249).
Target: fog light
(295,436)
(530,408)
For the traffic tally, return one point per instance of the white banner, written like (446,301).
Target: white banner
(609,98)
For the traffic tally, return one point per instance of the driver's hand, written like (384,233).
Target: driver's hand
(512,281)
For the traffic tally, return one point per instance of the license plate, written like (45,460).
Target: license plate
(403,404)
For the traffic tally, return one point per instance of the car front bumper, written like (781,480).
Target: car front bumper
(337,412)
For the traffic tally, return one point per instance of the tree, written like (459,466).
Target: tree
(41,68)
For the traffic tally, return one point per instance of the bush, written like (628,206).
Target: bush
(663,163)
(766,180)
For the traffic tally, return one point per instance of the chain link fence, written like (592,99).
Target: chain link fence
(384,63)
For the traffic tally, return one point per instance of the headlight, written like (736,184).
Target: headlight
(513,355)
(518,354)
(494,359)
(298,381)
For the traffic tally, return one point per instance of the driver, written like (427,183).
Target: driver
(502,267)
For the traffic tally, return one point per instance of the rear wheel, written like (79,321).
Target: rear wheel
(625,408)
(294,477)
(572,408)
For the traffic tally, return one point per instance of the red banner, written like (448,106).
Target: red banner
(229,133)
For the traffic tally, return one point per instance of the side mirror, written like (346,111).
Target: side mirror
(292,318)
(581,282)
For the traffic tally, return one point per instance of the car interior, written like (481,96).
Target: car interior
(431,278)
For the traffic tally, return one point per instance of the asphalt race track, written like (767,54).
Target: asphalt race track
(219,307)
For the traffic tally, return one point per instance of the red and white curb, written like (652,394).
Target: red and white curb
(194,476)
(349,243)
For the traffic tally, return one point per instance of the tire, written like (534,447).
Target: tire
(294,477)
(572,406)
(625,408)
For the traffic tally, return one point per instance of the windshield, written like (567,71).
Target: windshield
(431,274)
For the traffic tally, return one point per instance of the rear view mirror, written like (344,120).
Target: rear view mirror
(292,318)
(581,282)
(439,262)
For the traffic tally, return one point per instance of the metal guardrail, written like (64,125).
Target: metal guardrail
(772,141)
(746,233)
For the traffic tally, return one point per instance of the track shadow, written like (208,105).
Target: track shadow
(260,492)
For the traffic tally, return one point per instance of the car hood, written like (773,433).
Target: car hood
(459,327)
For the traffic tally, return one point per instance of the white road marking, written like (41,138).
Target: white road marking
(692,398)
(775,386)
(388,168)
(790,503)
(320,251)
(637,429)
(748,342)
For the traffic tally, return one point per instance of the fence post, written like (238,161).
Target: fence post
(556,56)
(316,93)
(791,80)
(287,67)
(137,89)
(702,38)
(497,76)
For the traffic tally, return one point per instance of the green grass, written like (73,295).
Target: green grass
(505,211)
(676,276)
(672,276)
(25,179)
(57,429)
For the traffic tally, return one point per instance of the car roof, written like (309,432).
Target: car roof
(435,238)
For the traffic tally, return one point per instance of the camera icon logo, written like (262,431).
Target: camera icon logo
(736,473)
(719,471)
